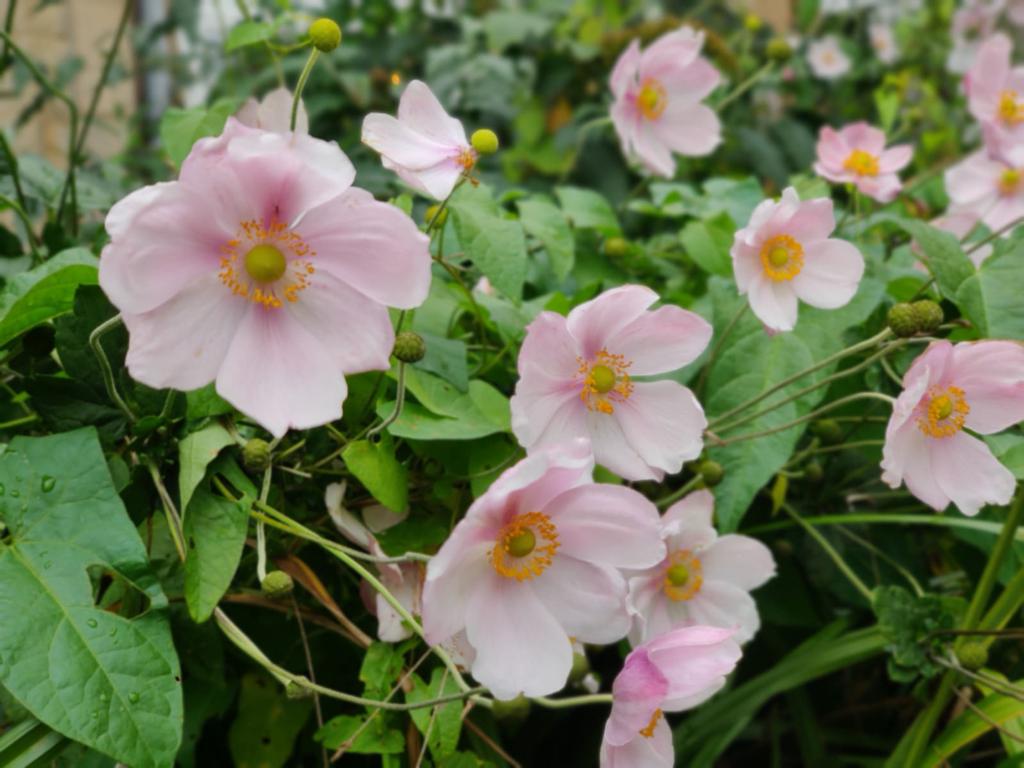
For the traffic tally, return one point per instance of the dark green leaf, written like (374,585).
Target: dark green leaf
(268,722)
(195,453)
(991,298)
(214,531)
(943,255)
(375,466)
(374,738)
(497,246)
(544,221)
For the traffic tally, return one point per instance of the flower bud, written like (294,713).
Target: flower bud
(828,430)
(616,247)
(779,49)
(436,215)
(325,34)
(973,655)
(515,709)
(902,320)
(409,347)
(813,472)
(256,455)
(484,141)
(277,584)
(928,315)
(580,667)
(711,473)
(752,22)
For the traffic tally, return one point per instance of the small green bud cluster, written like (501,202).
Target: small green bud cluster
(908,319)
(256,455)
(409,347)
(972,655)
(325,35)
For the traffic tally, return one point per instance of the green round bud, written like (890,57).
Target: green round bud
(752,22)
(38,342)
(256,455)
(484,141)
(928,315)
(325,34)
(409,347)
(973,655)
(436,215)
(514,709)
(813,472)
(580,667)
(902,320)
(711,473)
(277,584)
(294,690)
(616,247)
(828,430)
(779,49)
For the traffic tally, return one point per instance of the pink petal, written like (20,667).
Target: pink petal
(895,158)
(593,323)
(720,604)
(663,422)
(641,752)
(991,373)
(651,150)
(588,600)
(832,149)
(695,661)
(625,71)
(372,246)
(883,188)
(670,53)
(988,75)
(649,606)
(860,135)
(687,523)
(774,303)
(689,129)
(453,574)
(607,524)
(637,692)
(812,221)
(549,346)
(275,113)
(661,340)
(973,182)
(969,474)
(831,274)
(739,560)
(420,108)
(437,181)
(544,419)
(746,263)
(400,143)
(613,451)
(907,458)
(692,83)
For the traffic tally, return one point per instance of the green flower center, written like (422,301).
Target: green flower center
(778,257)
(603,378)
(521,544)
(265,263)
(678,575)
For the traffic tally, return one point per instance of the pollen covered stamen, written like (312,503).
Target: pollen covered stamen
(525,547)
(605,381)
(861,163)
(467,159)
(266,264)
(1010,181)
(652,99)
(1010,109)
(943,413)
(683,575)
(782,258)
(648,730)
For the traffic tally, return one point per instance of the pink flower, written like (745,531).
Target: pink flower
(987,187)
(856,155)
(576,380)
(970,25)
(996,91)
(976,386)
(673,672)
(273,113)
(533,563)
(785,253)
(827,59)
(703,580)
(251,271)
(426,147)
(883,41)
(658,94)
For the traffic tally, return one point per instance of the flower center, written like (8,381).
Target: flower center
(683,576)
(648,730)
(1010,181)
(862,163)
(944,412)
(1010,109)
(275,263)
(651,100)
(782,258)
(605,381)
(467,158)
(525,547)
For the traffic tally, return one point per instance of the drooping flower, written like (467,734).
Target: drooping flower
(671,673)
(785,253)
(705,579)
(856,155)
(948,390)
(827,59)
(987,186)
(424,145)
(576,379)
(995,91)
(273,113)
(533,564)
(251,270)
(883,42)
(658,93)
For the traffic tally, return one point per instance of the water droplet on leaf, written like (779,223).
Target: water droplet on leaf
(92,622)
(133,697)
(48,483)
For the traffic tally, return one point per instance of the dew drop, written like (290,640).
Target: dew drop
(15,493)
(133,697)
(113,631)
(3,490)
(48,483)
(92,622)
(47,565)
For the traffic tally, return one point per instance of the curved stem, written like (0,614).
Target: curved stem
(884,518)
(399,403)
(745,86)
(108,373)
(314,53)
(841,564)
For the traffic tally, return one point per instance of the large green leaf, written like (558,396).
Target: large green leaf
(99,678)
(708,242)
(483,411)
(195,453)
(441,724)
(991,298)
(587,209)
(45,292)
(942,253)
(375,466)
(497,246)
(546,222)
(214,530)
(268,722)
(248,33)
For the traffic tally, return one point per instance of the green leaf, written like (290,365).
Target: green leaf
(506,28)
(248,33)
(422,532)
(544,221)
(214,529)
(181,128)
(906,621)
(195,453)
(708,242)
(483,411)
(268,722)
(44,292)
(445,358)
(374,738)
(441,724)
(91,308)
(497,246)
(991,298)
(943,255)
(375,466)
(97,677)
(969,726)
(587,209)
(381,667)
(205,402)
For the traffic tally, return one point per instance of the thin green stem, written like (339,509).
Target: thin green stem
(8,27)
(399,403)
(573,701)
(19,421)
(887,518)
(108,64)
(723,336)
(314,54)
(108,373)
(745,86)
(829,550)
(998,233)
(1006,605)
(677,494)
(170,510)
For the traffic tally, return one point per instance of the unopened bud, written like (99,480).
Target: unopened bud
(256,455)
(828,430)
(277,584)
(616,247)
(294,690)
(711,473)
(484,141)
(779,49)
(813,472)
(902,320)
(325,34)
(409,347)
(928,315)
(435,215)
(514,709)
(752,22)
(973,655)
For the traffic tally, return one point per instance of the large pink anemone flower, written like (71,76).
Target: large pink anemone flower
(995,91)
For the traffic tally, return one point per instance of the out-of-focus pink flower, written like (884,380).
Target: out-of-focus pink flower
(533,564)
(827,59)
(671,673)
(1015,12)
(785,253)
(273,113)
(883,42)
(987,187)
(576,380)
(658,94)
(425,146)
(996,96)
(251,270)
(705,579)
(960,223)
(976,386)
(856,154)
(971,24)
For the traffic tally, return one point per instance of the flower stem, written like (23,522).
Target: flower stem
(841,564)
(998,233)
(108,373)
(399,402)
(677,494)
(573,701)
(314,54)
(745,86)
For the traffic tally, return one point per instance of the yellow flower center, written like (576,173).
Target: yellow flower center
(1010,181)
(862,163)
(605,381)
(1010,109)
(525,547)
(652,99)
(943,412)
(275,263)
(683,576)
(782,258)
(648,730)
(467,158)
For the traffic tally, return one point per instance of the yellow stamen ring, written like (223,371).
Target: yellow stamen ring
(945,412)
(652,99)
(782,258)
(605,381)
(1010,181)
(861,163)
(684,576)
(1010,109)
(266,263)
(525,547)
